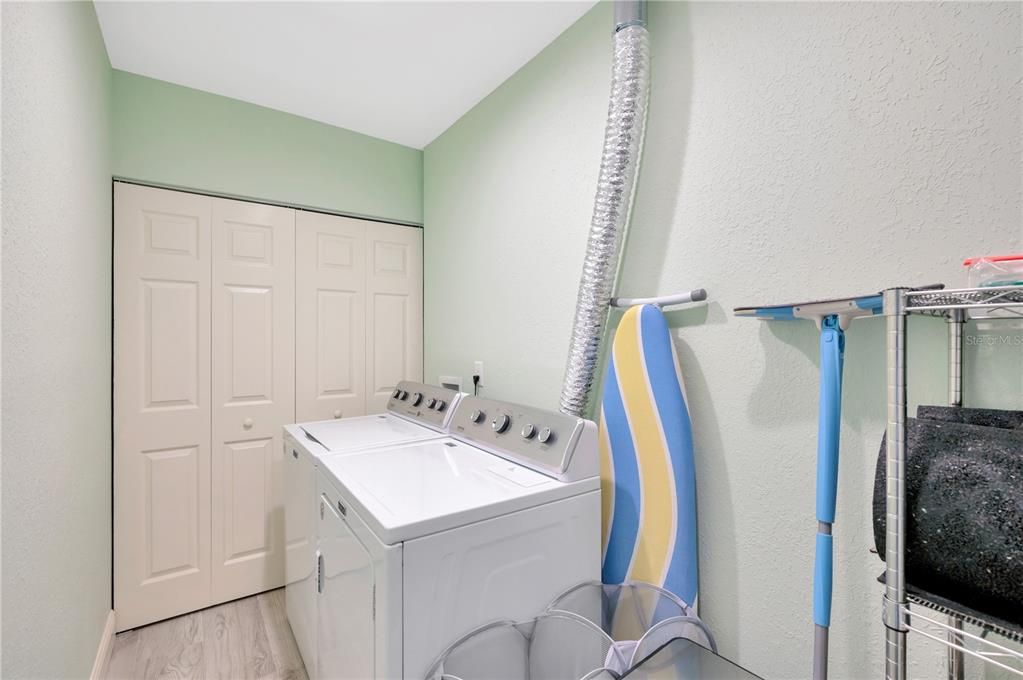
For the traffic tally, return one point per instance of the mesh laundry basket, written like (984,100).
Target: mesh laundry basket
(590,632)
(554,646)
(638,617)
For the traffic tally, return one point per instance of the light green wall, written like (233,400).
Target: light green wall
(177,136)
(794,150)
(56,339)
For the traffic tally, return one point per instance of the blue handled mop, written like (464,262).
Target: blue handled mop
(832,318)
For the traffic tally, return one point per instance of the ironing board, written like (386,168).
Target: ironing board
(648,482)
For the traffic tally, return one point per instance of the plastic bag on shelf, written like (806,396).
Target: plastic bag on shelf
(994,271)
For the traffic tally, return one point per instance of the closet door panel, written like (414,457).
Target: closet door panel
(253,392)
(233,319)
(162,270)
(394,310)
(330,316)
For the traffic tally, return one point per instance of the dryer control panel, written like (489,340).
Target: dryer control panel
(427,404)
(556,444)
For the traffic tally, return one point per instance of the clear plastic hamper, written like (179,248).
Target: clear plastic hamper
(554,646)
(639,617)
(592,631)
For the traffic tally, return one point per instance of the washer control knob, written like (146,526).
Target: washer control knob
(546,436)
(403,396)
(397,394)
(430,402)
(417,399)
(528,431)
(477,416)
(500,423)
(440,405)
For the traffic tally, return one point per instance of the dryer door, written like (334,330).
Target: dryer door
(347,590)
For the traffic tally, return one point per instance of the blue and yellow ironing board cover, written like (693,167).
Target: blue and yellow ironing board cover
(648,482)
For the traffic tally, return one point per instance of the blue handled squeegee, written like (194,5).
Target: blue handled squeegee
(832,318)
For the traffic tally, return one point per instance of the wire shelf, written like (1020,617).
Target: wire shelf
(970,644)
(937,619)
(1005,299)
(1005,629)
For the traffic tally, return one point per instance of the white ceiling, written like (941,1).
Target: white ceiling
(401,71)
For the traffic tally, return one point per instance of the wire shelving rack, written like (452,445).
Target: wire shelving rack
(925,616)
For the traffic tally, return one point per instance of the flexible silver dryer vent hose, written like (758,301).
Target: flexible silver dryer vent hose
(623,139)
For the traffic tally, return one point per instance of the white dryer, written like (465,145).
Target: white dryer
(421,543)
(415,413)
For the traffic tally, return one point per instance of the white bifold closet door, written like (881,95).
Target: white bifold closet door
(394,311)
(231,320)
(253,392)
(330,316)
(204,309)
(162,415)
(359,314)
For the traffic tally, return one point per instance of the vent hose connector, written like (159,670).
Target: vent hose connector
(619,163)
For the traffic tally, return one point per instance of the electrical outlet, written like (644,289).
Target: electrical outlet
(478,370)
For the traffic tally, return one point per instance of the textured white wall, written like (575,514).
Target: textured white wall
(56,339)
(793,151)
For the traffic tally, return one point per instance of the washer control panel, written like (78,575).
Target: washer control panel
(423,403)
(543,440)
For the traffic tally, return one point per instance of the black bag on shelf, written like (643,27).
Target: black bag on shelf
(964,502)
(988,417)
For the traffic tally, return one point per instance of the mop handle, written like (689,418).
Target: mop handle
(829,422)
(829,418)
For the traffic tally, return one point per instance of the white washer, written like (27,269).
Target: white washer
(421,543)
(415,413)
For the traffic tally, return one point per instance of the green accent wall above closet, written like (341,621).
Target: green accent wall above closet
(177,136)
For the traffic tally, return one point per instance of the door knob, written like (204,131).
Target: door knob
(247,423)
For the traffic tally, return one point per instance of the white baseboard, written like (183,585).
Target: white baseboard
(106,645)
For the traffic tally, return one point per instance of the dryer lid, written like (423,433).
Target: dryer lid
(419,489)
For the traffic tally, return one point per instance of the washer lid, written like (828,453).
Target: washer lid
(338,436)
(418,489)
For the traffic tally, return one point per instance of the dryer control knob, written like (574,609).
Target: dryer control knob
(500,423)
(403,396)
(546,436)
(441,404)
(417,399)
(397,394)
(477,416)
(528,431)
(431,402)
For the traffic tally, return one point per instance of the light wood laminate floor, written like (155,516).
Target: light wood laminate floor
(241,640)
